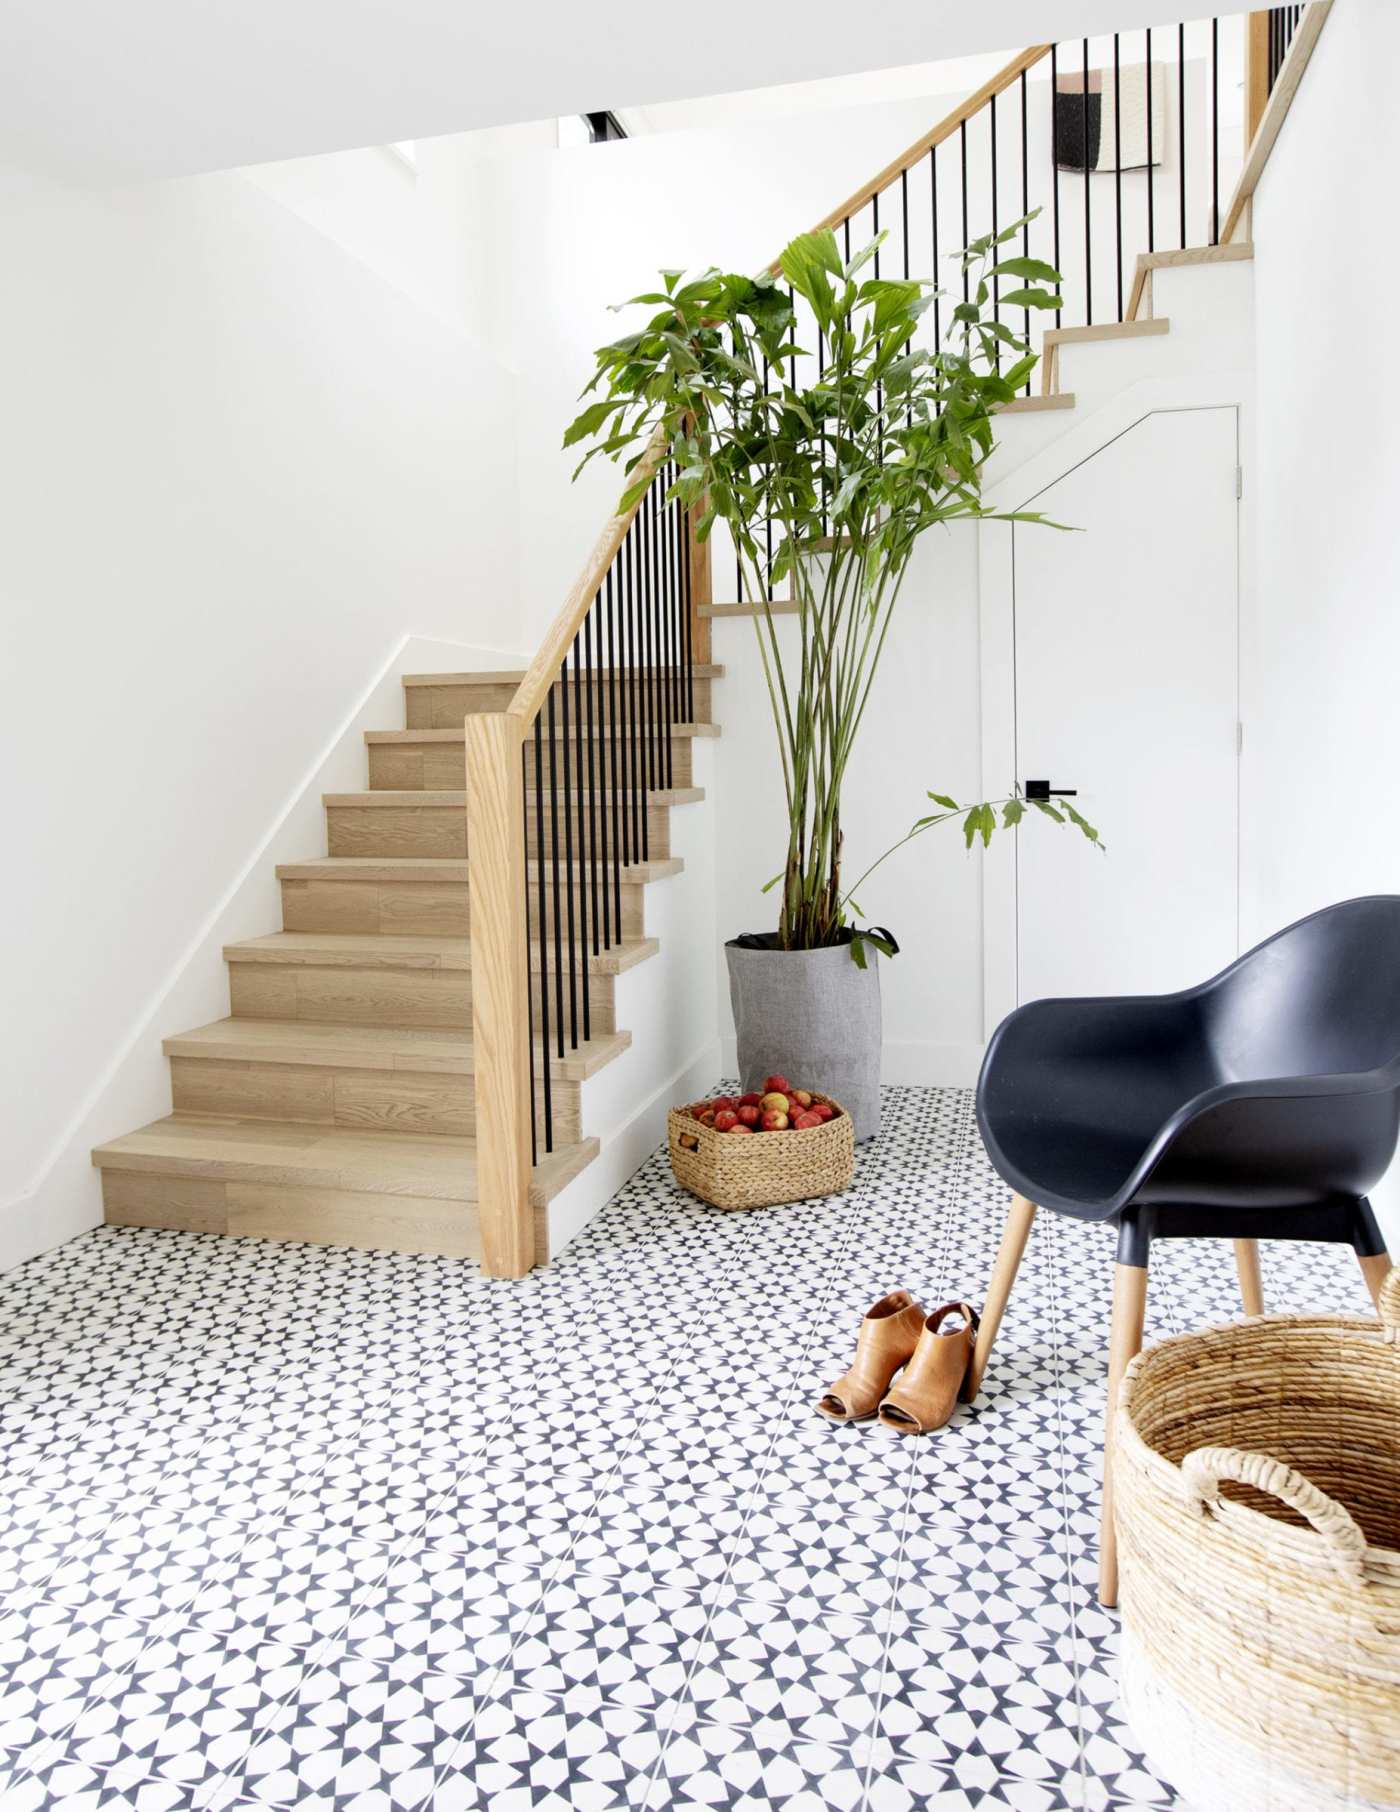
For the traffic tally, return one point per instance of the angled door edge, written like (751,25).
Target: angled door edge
(996,570)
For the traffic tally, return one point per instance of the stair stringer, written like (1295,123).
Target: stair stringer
(668,1004)
(1211,311)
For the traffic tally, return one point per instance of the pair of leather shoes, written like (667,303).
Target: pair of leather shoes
(932,1353)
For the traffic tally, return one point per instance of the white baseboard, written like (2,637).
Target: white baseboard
(628,1146)
(908,1065)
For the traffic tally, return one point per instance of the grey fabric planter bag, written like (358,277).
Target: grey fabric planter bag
(812,1016)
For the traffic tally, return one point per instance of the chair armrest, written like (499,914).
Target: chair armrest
(1276,1141)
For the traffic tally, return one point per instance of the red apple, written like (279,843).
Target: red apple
(750,1100)
(801,1097)
(741,1128)
(776,1085)
(774,1102)
(825,1109)
(775,1122)
(700,1109)
(726,1120)
(723,1104)
(805,1119)
(748,1115)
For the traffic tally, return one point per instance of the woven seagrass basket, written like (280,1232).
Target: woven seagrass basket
(761,1171)
(1257,1484)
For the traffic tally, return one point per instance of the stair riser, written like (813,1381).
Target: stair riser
(330,995)
(441,831)
(444,707)
(367,1100)
(323,1217)
(441,767)
(414,909)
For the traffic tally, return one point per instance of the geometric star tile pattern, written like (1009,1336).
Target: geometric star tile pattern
(299,1529)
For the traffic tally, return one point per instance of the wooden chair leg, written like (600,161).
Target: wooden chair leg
(1251,1283)
(1375,1270)
(1124,1344)
(1013,1243)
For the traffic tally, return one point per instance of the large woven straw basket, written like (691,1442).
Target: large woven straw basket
(1257,1482)
(762,1171)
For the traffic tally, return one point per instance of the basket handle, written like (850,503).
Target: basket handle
(1388,1304)
(1203,1470)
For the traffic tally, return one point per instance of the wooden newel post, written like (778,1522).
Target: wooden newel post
(500,983)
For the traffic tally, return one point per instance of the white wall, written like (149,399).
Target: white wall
(921,734)
(1322,734)
(238,467)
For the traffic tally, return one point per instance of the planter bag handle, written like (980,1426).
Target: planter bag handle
(1203,1469)
(763,940)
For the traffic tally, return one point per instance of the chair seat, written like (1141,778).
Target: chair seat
(1074,1166)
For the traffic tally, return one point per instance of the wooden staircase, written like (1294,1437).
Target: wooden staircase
(337,1103)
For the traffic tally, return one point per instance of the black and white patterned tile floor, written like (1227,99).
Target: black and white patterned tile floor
(291,1527)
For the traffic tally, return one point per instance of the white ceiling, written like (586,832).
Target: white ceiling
(115,91)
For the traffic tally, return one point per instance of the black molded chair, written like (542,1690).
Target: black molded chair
(1263,1104)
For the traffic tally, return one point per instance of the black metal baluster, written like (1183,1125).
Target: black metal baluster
(593,637)
(529,991)
(582,810)
(663,652)
(688,607)
(962,135)
(568,841)
(875,227)
(904,212)
(554,870)
(619,819)
(1151,173)
(1181,128)
(768,503)
(1118,172)
(653,654)
(1025,208)
(673,531)
(1088,227)
(996,281)
(543,945)
(933,213)
(1055,159)
(1215,131)
(639,769)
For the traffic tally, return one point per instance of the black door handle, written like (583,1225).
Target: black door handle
(1042,789)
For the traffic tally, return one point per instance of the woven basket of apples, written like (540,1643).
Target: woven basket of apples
(778,1144)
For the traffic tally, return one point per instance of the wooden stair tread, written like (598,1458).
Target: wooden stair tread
(1109,330)
(452,868)
(403,1048)
(435,1166)
(1034,405)
(598,731)
(700,670)
(395,798)
(346,950)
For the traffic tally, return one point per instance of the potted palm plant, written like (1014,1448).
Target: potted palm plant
(805,409)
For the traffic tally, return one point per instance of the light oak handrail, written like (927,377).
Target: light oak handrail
(946,127)
(1280,100)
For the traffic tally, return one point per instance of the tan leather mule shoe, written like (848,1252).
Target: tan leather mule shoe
(888,1335)
(937,1374)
